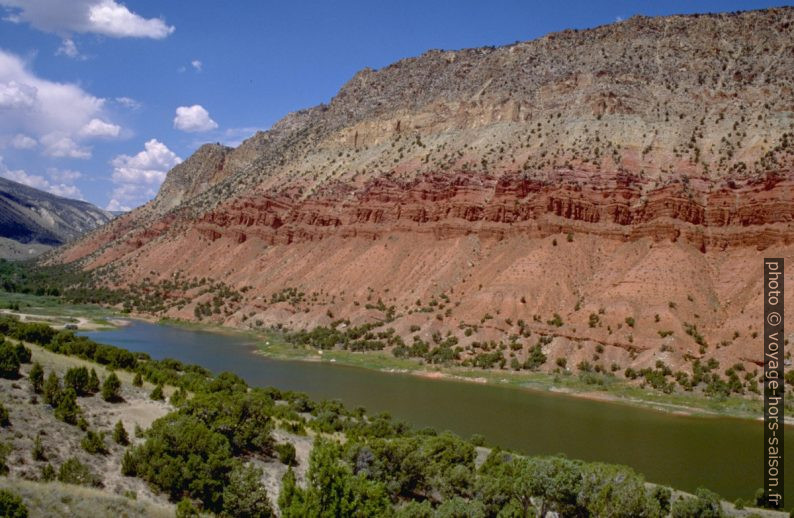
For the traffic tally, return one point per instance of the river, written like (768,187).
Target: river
(722,454)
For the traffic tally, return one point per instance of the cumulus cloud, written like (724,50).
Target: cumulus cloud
(115,205)
(60,186)
(60,146)
(16,95)
(100,128)
(193,119)
(105,17)
(21,141)
(36,107)
(138,177)
(148,166)
(198,65)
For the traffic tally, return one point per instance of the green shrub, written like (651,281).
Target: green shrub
(706,504)
(477,439)
(157,393)
(75,472)
(93,382)
(36,377)
(186,509)
(630,321)
(67,409)
(556,321)
(137,381)
(48,473)
(94,443)
(332,489)
(5,450)
(286,453)
(120,434)
(662,495)
(179,397)
(244,495)
(38,449)
(78,379)
(52,390)
(111,388)
(4,419)
(183,457)
(9,363)
(11,505)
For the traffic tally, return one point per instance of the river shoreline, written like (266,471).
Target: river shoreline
(270,344)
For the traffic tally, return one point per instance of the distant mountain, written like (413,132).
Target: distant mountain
(33,221)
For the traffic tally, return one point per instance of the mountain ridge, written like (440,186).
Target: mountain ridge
(31,219)
(641,141)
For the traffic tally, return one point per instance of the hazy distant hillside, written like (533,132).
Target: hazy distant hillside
(32,221)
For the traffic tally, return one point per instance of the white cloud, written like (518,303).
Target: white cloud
(36,107)
(17,95)
(106,17)
(63,188)
(115,205)
(198,65)
(69,48)
(20,176)
(61,146)
(149,166)
(21,141)
(129,102)
(100,128)
(138,177)
(66,191)
(193,119)
(64,175)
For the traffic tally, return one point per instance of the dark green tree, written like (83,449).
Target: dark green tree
(38,449)
(183,457)
(111,388)
(75,472)
(286,453)
(9,363)
(67,409)
(705,504)
(11,505)
(244,496)
(332,489)
(5,420)
(36,377)
(77,378)
(186,509)
(93,382)
(52,389)
(94,443)
(120,434)
(157,393)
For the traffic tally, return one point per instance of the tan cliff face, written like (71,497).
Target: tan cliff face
(641,169)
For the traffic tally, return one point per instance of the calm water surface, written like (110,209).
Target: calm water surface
(723,454)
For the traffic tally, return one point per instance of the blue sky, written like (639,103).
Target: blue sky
(99,98)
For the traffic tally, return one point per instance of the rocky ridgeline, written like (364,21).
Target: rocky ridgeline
(665,145)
